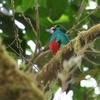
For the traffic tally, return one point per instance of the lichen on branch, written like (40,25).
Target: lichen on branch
(50,70)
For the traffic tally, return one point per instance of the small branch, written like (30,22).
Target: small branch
(12,7)
(37,19)
(74,27)
(30,23)
(37,30)
(80,11)
(35,54)
(98,7)
(93,52)
(34,59)
(41,55)
(10,44)
(78,16)
(38,43)
(37,33)
(91,61)
(49,71)
(18,41)
(23,57)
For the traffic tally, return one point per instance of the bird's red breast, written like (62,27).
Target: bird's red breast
(54,47)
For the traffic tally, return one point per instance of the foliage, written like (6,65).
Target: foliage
(70,13)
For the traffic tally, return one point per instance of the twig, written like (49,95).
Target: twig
(41,55)
(93,52)
(18,41)
(29,21)
(23,57)
(70,31)
(34,59)
(98,7)
(37,19)
(78,16)
(38,42)
(17,38)
(12,6)
(91,61)
(11,44)
(81,9)
(37,33)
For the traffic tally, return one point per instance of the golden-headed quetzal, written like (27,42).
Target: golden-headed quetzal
(58,38)
(57,41)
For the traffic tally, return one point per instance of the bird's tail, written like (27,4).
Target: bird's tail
(68,83)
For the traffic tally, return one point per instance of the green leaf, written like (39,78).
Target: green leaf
(17,3)
(98,2)
(42,3)
(24,5)
(56,8)
(92,73)
(44,36)
(43,12)
(19,9)
(94,20)
(7,25)
(62,19)
(45,22)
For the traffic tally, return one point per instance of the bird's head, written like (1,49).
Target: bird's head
(58,27)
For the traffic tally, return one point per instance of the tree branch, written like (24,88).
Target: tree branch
(75,25)
(15,84)
(37,33)
(78,16)
(49,71)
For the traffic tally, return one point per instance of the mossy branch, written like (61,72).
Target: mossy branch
(49,71)
(15,84)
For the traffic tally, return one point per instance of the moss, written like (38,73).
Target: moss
(15,84)
(76,46)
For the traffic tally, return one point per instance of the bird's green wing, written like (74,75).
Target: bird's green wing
(62,38)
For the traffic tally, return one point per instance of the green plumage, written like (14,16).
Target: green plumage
(60,36)
(57,41)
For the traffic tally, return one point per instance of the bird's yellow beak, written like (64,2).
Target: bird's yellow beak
(52,28)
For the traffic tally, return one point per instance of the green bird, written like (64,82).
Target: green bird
(58,38)
(57,41)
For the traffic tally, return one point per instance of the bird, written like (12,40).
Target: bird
(57,41)
(58,38)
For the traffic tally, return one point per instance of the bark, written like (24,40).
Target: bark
(15,84)
(49,71)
